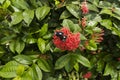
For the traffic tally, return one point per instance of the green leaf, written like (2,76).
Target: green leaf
(107,23)
(17,78)
(70,65)
(93,7)
(106,11)
(19,46)
(62,61)
(92,23)
(12,46)
(97,29)
(20,70)
(92,45)
(84,61)
(23,59)
(9,70)
(7,74)
(32,72)
(41,45)
(1,1)
(41,12)
(105,4)
(82,37)
(6,4)
(16,18)
(65,14)
(43,64)
(69,24)
(44,30)
(95,2)
(2,51)
(31,40)
(109,70)
(76,67)
(100,65)
(117,11)
(118,75)
(26,76)
(47,36)
(74,10)
(20,4)
(38,72)
(28,16)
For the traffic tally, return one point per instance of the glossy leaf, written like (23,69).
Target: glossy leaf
(23,59)
(20,70)
(43,64)
(12,46)
(70,65)
(106,11)
(84,61)
(104,4)
(9,70)
(44,30)
(62,61)
(19,46)
(41,45)
(65,14)
(21,4)
(38,72)
(69,24)
(109,70)
(93,7)
(6,4)
(106,23)
(28,16)
(74,10)
(41,12)
(16,18)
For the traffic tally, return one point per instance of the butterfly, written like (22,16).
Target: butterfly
(61,35)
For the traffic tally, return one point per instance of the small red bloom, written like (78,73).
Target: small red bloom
(83,22)
(98,36)
(84,7)
(118,59)
(87,75)
(70,43)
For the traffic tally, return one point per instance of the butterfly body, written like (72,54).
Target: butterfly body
(61,35)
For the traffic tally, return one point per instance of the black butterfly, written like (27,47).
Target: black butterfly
(61,35)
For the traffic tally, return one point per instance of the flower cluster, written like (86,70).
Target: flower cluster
(84,7)
(70,43)
(83,22)
(87,75)
(98,37)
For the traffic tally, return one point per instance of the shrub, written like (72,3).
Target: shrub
(59,39)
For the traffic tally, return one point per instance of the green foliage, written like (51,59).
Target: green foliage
(27,51)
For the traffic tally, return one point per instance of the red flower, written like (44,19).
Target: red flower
(98,36)
(118,59)
(70,43)
(87,75)
(84,7)
(83,22)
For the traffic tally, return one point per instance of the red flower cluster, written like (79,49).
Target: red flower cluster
(87,75)
(98,37)
(83,22)
(84,7)
(71,42)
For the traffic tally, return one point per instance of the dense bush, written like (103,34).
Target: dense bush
(89,47)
